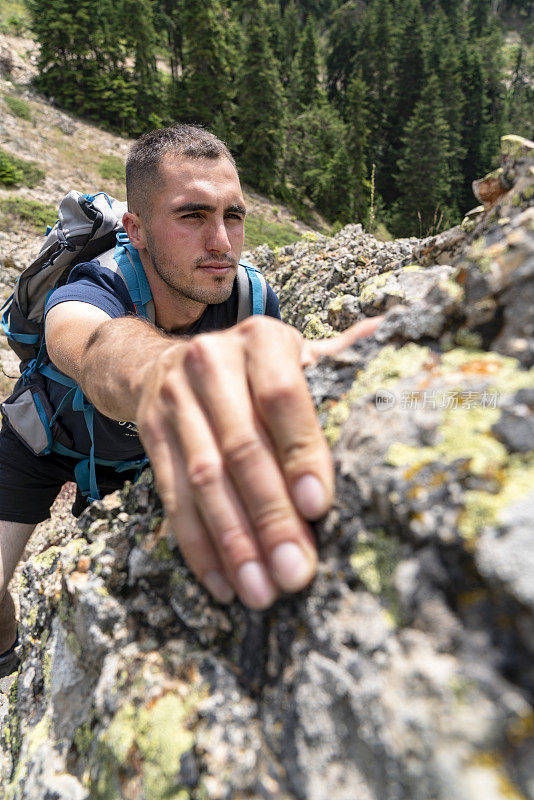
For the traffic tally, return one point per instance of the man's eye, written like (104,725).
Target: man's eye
(234,216)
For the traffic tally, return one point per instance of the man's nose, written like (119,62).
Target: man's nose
(217,239)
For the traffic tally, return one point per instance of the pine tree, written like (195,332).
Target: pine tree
(206,95)
(307,68)
(521,107)
(491,46)
(260,108)
(140,37)
(375,59)
(289,40)
(317,162)
(473,124)
(168,23)
(479,11)
(444,60)
(82,60)
(342,49)
(423,179)
(410,62)
(357,135)
(410,78)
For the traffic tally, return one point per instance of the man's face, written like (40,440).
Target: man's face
(195,234)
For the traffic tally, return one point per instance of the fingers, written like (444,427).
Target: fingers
(195,544)
(314,349)
(254,480)
(208,520)
(285,408)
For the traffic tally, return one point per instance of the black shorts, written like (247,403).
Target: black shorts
(29,484)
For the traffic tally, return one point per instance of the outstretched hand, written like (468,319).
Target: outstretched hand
(239,458)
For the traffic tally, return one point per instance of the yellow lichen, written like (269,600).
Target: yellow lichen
(464,434)
(521,728)
(482,508)
(45,559)
(383,372)
(157,732)
(493,762)
(374,561)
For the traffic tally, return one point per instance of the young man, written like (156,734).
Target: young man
(222,410)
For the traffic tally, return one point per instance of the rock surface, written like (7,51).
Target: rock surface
(405,672)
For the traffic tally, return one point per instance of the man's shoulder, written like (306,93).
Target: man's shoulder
(95,283)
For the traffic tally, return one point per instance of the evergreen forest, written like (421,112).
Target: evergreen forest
(379,112)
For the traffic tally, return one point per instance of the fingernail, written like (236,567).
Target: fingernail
(219,587)
(309,497)
(257,589)
(291,568)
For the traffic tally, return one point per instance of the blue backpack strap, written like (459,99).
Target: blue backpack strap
(130,265)
(252,291)
(80,403)
(24,338)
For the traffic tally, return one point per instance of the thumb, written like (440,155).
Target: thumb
(313,350)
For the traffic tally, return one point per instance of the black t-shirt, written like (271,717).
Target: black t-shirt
(99,286)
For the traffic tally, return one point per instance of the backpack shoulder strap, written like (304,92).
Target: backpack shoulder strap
(125,261)
(252,291)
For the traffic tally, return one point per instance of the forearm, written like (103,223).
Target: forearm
(117,357)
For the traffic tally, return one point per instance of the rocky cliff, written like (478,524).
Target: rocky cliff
(405,672)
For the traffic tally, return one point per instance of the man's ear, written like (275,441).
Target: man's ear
(135,230)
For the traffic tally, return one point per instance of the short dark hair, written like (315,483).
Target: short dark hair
(144,159)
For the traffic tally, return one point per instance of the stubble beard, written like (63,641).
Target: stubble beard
(188,289)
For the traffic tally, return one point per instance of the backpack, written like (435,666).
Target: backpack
(88,226)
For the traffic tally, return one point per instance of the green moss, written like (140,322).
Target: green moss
(374,561)
(461,687)
(528,193)
(158,735)
(383,372)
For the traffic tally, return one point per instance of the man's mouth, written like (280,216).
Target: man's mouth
(216,267)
